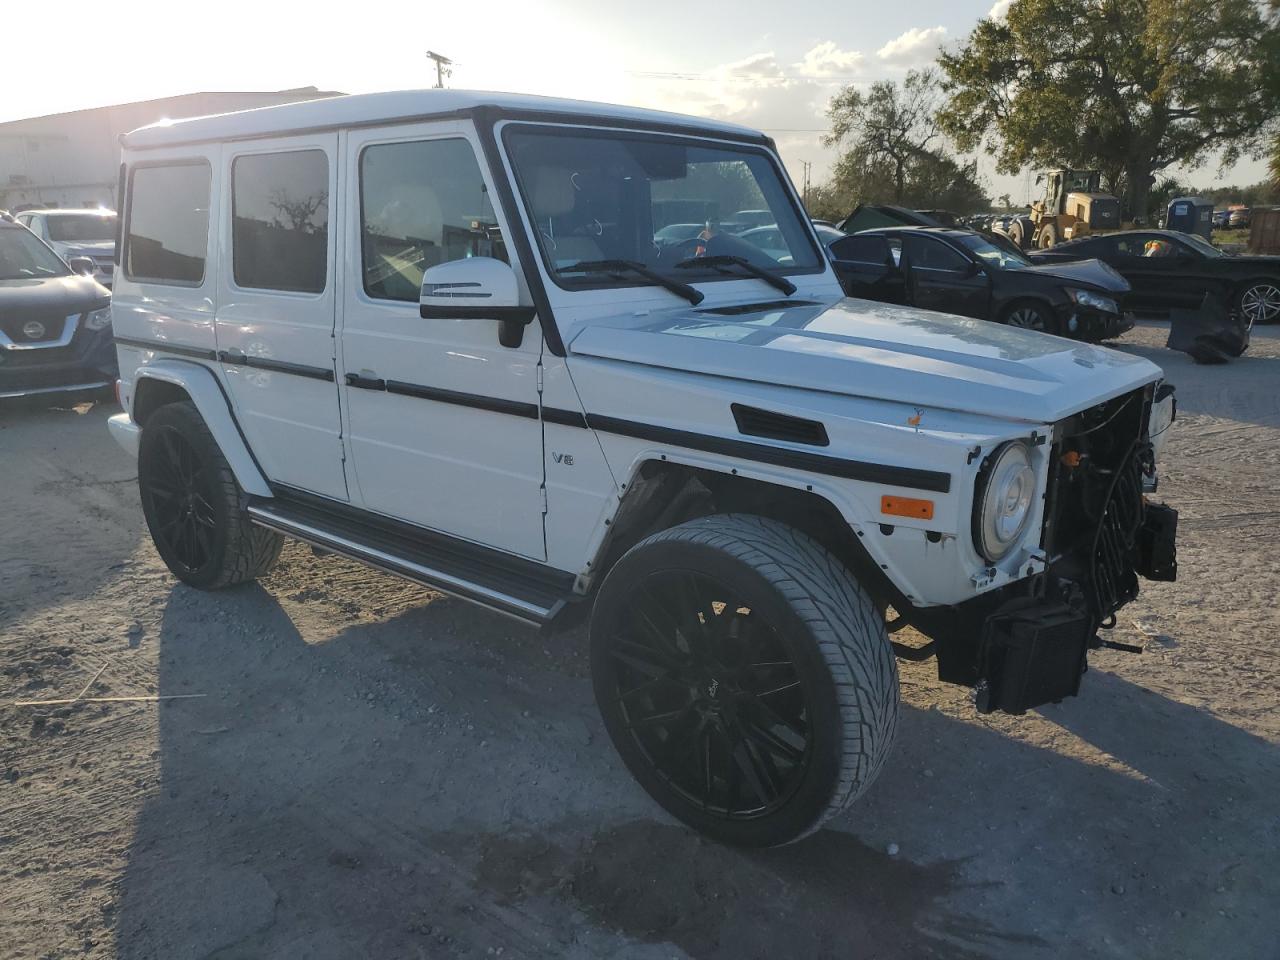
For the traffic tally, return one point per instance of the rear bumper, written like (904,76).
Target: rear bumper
(87,362)
(126,432)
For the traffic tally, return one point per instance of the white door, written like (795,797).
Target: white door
(275,315)
(442,421)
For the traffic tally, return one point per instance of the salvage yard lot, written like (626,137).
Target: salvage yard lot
(368,770)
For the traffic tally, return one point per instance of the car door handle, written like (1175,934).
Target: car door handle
(363,382)
(232,356)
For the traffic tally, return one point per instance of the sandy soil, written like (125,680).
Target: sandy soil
(371,771)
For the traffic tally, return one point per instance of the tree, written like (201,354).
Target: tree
(894,149)
(1130,87)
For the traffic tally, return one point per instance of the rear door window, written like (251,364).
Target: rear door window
(280,221)
(168,223)
(872,250)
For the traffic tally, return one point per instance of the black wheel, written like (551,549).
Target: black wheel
(1031,315)
(744,677)
(1015,234)
(193,505)
(1048,236)
(1258,301)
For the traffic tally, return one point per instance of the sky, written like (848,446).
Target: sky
(739,61)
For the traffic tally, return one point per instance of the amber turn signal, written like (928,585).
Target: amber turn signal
(907,507)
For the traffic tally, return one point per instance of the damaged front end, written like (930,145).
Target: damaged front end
(1027,644)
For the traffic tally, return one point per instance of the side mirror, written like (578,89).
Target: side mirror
(478,288)
(973,269)
(81,265)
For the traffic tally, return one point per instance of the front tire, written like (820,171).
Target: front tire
(1031,315)
(1048,237)
(193,506)
(745,678)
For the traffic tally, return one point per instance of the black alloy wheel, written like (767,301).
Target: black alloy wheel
(178,496)
(709,694)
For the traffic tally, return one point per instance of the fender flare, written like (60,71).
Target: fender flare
(200,384)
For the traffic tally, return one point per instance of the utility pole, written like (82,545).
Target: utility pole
(443,65)
(806,166)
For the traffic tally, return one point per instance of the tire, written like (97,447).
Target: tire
(683,694)
(193,506)
(1048,236)
(1258,301)
(1031,315)
(1014,233)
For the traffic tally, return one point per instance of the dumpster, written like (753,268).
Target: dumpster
(1191,215)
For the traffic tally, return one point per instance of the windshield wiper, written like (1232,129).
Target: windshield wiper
(639,269)
(726,260)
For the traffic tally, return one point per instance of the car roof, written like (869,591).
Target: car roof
(954,232)
(377,108)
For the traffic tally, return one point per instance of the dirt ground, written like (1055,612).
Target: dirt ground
(367,770)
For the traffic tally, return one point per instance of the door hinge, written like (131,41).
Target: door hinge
(539,377)
(342,450)
(543,491)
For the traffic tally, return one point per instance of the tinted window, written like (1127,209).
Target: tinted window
(934,255)
(23,257)
(82,227)
(280,220)
(421,204)
(168,223)
(862,249)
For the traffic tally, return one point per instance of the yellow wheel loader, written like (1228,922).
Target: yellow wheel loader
(1073,206)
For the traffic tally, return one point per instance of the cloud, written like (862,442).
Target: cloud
(999,10)
(916,46)
(763,66)
(827,60)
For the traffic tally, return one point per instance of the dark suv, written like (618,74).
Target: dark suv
(55,322)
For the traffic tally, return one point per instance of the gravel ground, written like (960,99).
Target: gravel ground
(364,769)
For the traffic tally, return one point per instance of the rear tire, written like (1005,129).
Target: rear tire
(744,677)
(193,506)
(1258,301)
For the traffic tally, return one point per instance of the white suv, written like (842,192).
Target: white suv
(77,233)
(433,331)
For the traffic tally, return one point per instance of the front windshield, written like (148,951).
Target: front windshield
(82,227)
(24,257)
(1003,258)
(616,196)
(1201,245)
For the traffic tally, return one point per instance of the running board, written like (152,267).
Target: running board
(519,588)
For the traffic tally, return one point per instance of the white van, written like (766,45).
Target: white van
(433,331)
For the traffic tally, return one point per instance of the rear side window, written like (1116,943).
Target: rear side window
(280,221)
(421,203)
(168,230)
(862,249)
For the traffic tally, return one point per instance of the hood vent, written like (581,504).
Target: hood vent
(755,422)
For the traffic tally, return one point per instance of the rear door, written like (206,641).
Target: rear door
(868,268)
(275,314)
(941,278)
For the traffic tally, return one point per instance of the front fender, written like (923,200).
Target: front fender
(202,387)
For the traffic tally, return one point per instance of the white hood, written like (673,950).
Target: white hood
(880,351)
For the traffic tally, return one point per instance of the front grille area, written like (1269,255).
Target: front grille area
(1113,582)
(1095,508)
(18,326)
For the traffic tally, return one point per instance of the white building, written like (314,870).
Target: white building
(73,159)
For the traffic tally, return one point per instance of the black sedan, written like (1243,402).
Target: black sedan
(1168,269)
(960,271)
(55,322)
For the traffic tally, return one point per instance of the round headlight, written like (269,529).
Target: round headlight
(1006,490)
